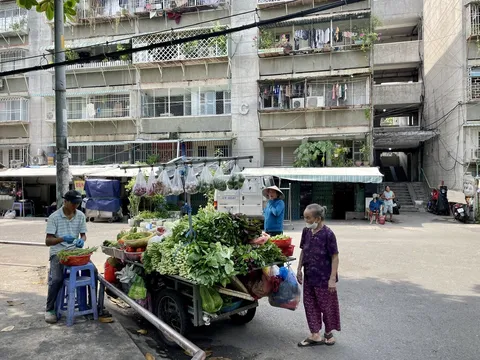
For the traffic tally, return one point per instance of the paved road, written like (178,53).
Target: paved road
(409,290)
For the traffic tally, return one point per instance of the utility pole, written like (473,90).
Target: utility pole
(61,129)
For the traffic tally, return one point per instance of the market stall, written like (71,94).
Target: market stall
(201,268)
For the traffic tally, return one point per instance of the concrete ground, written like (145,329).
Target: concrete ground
(408,290)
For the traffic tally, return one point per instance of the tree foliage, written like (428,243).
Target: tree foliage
(308,154)
(48,7)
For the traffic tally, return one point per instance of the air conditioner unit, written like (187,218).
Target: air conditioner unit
(50,115)
(315,101)
(298,103)
(38,160)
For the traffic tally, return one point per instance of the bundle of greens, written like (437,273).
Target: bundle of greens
(63,255)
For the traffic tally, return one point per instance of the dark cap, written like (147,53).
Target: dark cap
(73,196)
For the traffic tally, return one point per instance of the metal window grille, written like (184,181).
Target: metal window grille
(199,49)
(16,155)
(474,19)
(13,20)
(156,152)
(89,9)
(222,150)
(110,154)
(475,87)
(186,102)
(78,155)
(13,109)
(12,60)
(202,151)
(98,107)
(206,148)
(152,5)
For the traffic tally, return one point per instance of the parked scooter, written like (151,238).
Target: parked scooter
(460,213)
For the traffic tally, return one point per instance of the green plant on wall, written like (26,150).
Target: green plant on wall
(367,37)
(219,43)
(190,49)
(368,114)
(339,158)
(308,154)
(121,47)
(365,151)
(266,40)
(19,25)
(71,55)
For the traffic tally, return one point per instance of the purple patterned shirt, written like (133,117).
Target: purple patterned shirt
(318,250)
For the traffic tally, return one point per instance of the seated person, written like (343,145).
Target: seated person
(374,209)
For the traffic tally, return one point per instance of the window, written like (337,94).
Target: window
(222,150)
(15,155)
(98,107)
(202,151)
(478,142)
(79,155)
(186,102)
(13,110)
(158,152)
(12,60)
(475,83)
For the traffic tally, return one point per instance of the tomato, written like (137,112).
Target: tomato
(130,249)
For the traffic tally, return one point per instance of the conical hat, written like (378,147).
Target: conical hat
(281,195)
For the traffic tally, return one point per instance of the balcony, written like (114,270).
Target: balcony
(13,21)
(93,108)
(475,155)
(99,66)
(12,59)
(14,111)
(393,94)
(393,55)
(103,9)
(147,6)
(193,52)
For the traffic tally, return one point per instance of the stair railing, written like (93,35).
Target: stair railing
(426,179)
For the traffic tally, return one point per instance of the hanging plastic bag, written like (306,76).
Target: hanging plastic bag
(288,294)
(236,179)
(140,187)
(137,291)
(151,183)
(177,184)
(219,180)
(158,185)
(191,182)
(166,184)
(205,183)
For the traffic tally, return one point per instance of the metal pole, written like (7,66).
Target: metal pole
(61,130)
(8,242)
(183,342)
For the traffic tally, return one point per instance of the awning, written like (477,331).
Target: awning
(366,175)
(316,19)
(401,138)
(51,171)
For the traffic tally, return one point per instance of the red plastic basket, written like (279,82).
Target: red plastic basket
(76,260)
(289,250)
(283,244)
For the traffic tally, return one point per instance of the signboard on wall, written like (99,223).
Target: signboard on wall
(79,186)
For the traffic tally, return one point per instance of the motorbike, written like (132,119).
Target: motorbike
(460,213)
(432,204)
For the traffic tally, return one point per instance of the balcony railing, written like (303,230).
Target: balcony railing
(99,64)
(94,9)
(213,48)
(14,20)
(13,110)
(145,6)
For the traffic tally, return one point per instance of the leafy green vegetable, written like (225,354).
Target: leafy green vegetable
(63,255)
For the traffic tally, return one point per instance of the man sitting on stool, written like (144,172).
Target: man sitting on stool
(374,209)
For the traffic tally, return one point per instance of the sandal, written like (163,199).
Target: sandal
(328,337)
(310,342)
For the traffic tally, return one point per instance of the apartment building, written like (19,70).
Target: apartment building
(329,76)
(452,79)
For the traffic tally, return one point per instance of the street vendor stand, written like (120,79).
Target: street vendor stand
(176,300)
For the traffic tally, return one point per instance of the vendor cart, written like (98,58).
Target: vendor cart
(103,200)
(177,302)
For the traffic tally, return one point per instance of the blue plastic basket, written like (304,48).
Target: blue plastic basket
(233,306)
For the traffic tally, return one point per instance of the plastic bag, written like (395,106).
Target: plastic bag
(151,183)
(137,291)
(177,184)
(205,183)
(219,180)
(211,299)
(288,294)
(191,182)
(166,184)
(10,214)
(259,286)
(236,179)
(140,187)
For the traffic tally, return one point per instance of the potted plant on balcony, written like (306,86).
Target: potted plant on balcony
(367,38)
(217,46)
(190,49)
(267,46)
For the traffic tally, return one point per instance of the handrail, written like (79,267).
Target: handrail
(184,343)
(426,179)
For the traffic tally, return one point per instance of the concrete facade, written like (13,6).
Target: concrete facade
(213,96)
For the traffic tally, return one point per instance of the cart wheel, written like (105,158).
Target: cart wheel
(243,317)
(111,220)
(172,310)
(92,219)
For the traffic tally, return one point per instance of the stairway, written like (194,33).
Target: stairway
(403,194)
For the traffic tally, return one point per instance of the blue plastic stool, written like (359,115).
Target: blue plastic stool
(72,297)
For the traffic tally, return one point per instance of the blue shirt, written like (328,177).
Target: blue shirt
(374,206)
(59,225)
(274,214)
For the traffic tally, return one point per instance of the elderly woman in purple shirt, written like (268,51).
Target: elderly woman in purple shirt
(319,260)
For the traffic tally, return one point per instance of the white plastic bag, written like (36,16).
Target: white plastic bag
(10,214)
(236,179)
(166,184)
(220,180)
(191,182)
(151,183)
(140,187)
(177,184)
(205,183)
